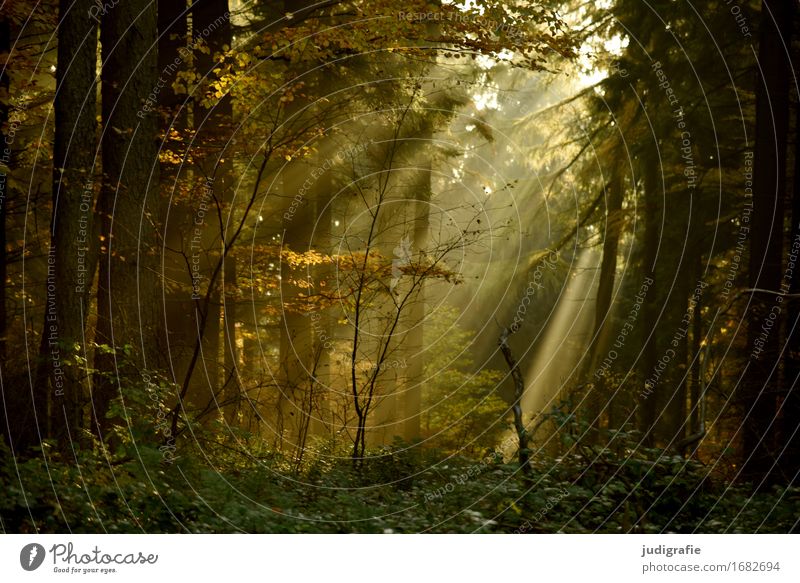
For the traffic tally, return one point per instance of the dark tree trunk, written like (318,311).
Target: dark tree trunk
(648,405)
(695,374)
(17,408)
(790,415)
(211,23)
(608,266)
(129,313)
(600,399)
(173,52)
(68,277)
(217,123)
(523,453)
(58,395)
(5,159)
(761,383)
(671,427)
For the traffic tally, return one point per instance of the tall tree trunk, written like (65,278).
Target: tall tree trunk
(761,383)
(58,392)
(672,424)
(608,273)
(695,374)
(173,55)
(297,334)
(68,278)
(415,348)
(213,14)
(129,313)
(648,405)
(301,225)
(17,408)
(790,415)
(211,23)
(608,266)
(5,159)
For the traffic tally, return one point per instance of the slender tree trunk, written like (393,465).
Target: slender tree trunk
(608,266)
(197,230)
(696,382)
(414,339)
(523,452)
(296,348)
(603,303)
(211,22)
(173,57)
(648,405)
(672,398)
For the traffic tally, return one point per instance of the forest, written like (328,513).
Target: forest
(524,266)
